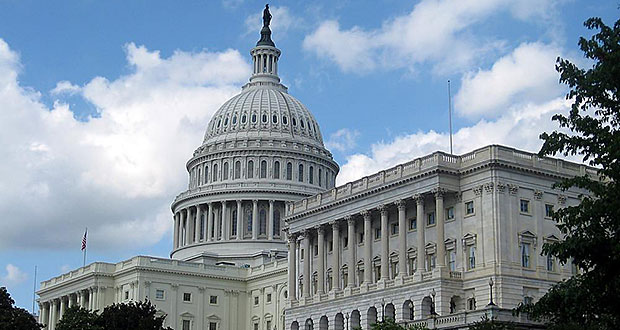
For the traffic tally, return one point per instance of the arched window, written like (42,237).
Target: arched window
(262,222)
(237,169)
(320,177)
(263,169)
(284,120)
(250,169)
(202,226)
(274,119)
(248,220)
(206,176)
(253,117)
(225,171)
(199,176)
(276,169)
(300,175)
(233,227)
(264,118)
(214,172)
(244,118)
(276,222)
(311,175)
(289,171)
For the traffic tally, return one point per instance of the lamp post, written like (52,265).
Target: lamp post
(491,292)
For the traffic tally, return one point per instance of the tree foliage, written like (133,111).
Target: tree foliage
(487,323)
(76,318)
(390,324)
(131,316)
(15,318)
(591,229)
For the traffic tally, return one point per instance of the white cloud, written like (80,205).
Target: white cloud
(282,20)
(65,87)
(116,173)
(342,140)
(13,276)
(435,30)
(525,75)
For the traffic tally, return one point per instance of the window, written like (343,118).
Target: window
(255,301)
(330,246)
(255,326)
(377,233)
(248,217)
(548,211)
(525,255)
(472,257)
(234,120)
(395,229)
(413,224)
(213,300)
(469,208)
(284,120)
(233,230)
(528,300)
(550,263)
(244,119)
(214,173)
(452,260)
(269,297)
(361,238)
(301,257)
(212,326)
(250,169)
(262,222)
(126,295)
(345,242)
(237,169)
(225,171)
(160,294)
(187,296)
(253,117)
(269,325)
(320,177)
(450,213)
(276,169)
(263,169)
(430,221)
(186,325)
(430,261)
(276,222)
(311,175)
(315,250)
(471,304)
(413,265)
(524,206)
(206,176)
(289,171)
(300,175)
(264,118)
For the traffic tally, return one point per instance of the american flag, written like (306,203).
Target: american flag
(84,240)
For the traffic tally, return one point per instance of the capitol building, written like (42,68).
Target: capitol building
(265,240)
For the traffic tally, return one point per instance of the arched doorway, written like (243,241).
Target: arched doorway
(323,323)
(355,319)
(407,310)
(390,312)
(294,325)
(309,325)
(371,316)
(427,304)
(339,322)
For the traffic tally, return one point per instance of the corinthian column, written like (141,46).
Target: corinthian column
(367,247)
(439,212)
(197,223)
(270,221)
(402,238)
(181,227)
(306,263)
(292,265)
(239,221)
(209,221)
(321,265)
(225,222)
(351,246)
(385,245)
(335,255)
(189,234)
(419,199)
(175,236)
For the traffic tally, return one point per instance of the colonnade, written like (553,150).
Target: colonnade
(52,311)
(350,257)
(189,227)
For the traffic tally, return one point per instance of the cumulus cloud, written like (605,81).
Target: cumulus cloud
(13,276)
(342,140)
(65,87)
(525,75)
(435,30)
(118,172)
(282,21)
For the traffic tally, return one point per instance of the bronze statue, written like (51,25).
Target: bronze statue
(266,16)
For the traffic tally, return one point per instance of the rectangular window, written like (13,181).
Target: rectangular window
(212,326)
(412,265)
(525,255)
(187,297)
(472,257)
(269,297)
(413,224)
(255,301)
(126,295)
(527,300)
(316,250)
(469,208)
(524,206)
(345,242)
(186,325)
(550,263)
(548,211)
(269,325)
(330,246)
(377,233)
(430,221)
(395,229)
(430,262)
(450,213)
(255,326)
(452,260)
(361,238)
(213,300)
(159,294)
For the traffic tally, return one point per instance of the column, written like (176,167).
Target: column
(321,264)
(43,313)
(63,307)
(439,215)
(292,264)
(367,247)
(218,224)
(335,255)
(351,245)
(209,221)
(307,257)
(95,296)
(255,218)
(51,324)
(181,227)
(402,238)
(189,234)
(419,199)
(175,237)
(385,245)
(82,299)
(197,223)
(270,221)
(239,221)
(225,223)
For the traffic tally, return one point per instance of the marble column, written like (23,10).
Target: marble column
(191,223)
(270,221)
(210,221)
(225,222)
(419,199)
(367,247)
(254,219)
(321,263)
(307,257)
(218,224)
(197,228)
(351,247)
(385,245)
(181,229)
(52,317)
(239,221)
(292,265)
(439,215)
(402,238)
(82,299)
(44,313)
(95,300)
(63,307)
(176,230)
(335,255)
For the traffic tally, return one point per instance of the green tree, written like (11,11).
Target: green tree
(390,324)
(592,228)
(131,316)
(76,318)
(15,318)
(487,323)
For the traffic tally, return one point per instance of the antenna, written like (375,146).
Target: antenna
(34,288)
(450,114)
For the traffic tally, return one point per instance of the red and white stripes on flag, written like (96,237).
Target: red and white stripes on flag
(84,240)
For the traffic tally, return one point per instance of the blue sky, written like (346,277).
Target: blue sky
(102,102)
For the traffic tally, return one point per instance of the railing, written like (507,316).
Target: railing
(456,275)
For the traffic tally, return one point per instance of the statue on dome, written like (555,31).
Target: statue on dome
(266,16)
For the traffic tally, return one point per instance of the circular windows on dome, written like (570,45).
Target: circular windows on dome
(302,123)
(274,119)
(234,120)
(294,122)
(226,122)
(264,118)
(253,117)
(244,119)
(284,120)
(219,123)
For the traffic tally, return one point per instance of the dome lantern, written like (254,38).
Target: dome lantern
(265,57)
